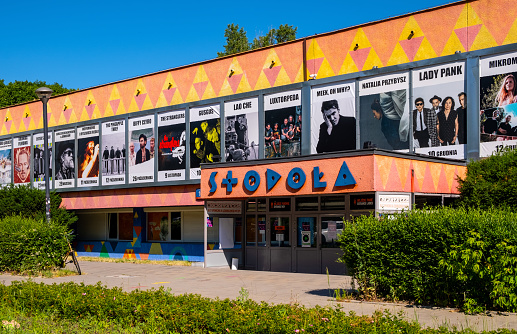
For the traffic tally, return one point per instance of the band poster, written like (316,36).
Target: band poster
(241,130)
(333,120)
(498,103)
(283,132)
(22,159)
(141,141)
(172,142)
(65,159)
(39,160)
(384,112)
(439,112)
(113,157)
(88,156)
(205,137)
(5,161)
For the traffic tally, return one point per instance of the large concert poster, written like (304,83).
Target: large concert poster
(39,160)
(439,112)
(5,161)
(205,137)
(22,159)
(88,155)
(172,141)
(333,122)
(384,112)
(283,121)
(113,153)
(141,136)
(498,103)
(65,159)
(241,130)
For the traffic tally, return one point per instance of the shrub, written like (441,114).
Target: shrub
(28,245)
(491,181)
(427,257)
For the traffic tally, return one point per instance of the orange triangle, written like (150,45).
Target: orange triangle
(384,167)
(384,43)
(443,185)
(428,184)
(393,183)
(290,58)
(497,16)
(213,71)
(335,47)
(437,25)
(252,64)
(184,78)
(143,256)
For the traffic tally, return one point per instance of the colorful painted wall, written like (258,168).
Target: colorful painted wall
(463,26)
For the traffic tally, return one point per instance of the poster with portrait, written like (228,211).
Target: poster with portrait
(142,137)
(333,121)
(498,103)
(22,159)
(241,130)
(172,142)
(64,161)
(113,153)
(39,160)
(205,137)
(6,147)
(88,156)
(384,112)
(439,112)
(283,121)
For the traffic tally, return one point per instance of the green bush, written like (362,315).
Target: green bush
(491,182)
(29,245)
(30,202)
(429,257)
(159,311)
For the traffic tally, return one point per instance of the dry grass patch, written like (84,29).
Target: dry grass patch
(157,262)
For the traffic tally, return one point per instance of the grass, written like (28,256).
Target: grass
(122,260)
(51,273)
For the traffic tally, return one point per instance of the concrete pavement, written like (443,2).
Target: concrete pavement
(271,287)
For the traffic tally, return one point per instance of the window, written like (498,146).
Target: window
(307,204)
(164,226)
(120,226)
(331,228)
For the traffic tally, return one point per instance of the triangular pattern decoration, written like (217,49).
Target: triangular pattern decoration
(317,63)
(384,167)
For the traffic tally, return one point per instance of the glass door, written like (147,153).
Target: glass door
(308,254)
(280,250)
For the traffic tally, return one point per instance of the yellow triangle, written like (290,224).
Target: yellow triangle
(425,51)
(27,111)
(115,95)
(403,170)
(314,51)
(411,26)
(512,34)
(468,17)
(325,70)
(449,174)
(147,103)
(169,83)
(483,40)
(133,242)
(156,249)
(133,107)
(8,116)
(372,60)
(348,66)
(436,169)
(361,40)
(419,168)
(4,131)
(282,78)
(140,87)
(136,215)
(32,125)
(226,89)
(453,45)
(192,95)
(51,121)
(209,92)
(200,75)
(398,56)
(262,82)
(84,116)
(108,111)
(384,167)
(299,75)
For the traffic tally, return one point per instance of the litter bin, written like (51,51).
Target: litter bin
(235,263)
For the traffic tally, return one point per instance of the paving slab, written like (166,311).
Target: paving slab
(271,287)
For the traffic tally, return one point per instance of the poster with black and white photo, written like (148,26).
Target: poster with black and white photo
(88,155)
(39,160)
(498,103)
(141,136)
(64,159)
(172,141)
(439,113)
(241,130)
(205,137)
(6,147)
(333,121)
(384,112)
(22,159)
(283,121)
(113,154)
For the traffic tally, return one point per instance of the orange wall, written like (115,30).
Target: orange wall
(436,32)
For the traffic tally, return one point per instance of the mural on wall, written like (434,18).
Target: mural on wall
(22,160)
(142,143)
(172,143)
(384,112)
(65,159)
(241,130)
(333,123)
(5,161)
(498,103)
(114,152)
(88,155)
(439,113)
(205,137)
(283,121)
(39,160)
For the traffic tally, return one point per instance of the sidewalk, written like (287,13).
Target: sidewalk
(271,287)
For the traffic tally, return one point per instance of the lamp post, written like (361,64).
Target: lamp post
(43,94)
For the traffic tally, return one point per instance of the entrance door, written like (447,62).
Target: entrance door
(280,243)
(263,253)
(308,255)
(331,228)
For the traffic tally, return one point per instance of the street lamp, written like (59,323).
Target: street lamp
(43,94)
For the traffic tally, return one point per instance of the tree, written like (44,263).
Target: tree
(237,41)
(23,91)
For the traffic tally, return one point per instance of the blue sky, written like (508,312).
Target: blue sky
(82,44)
